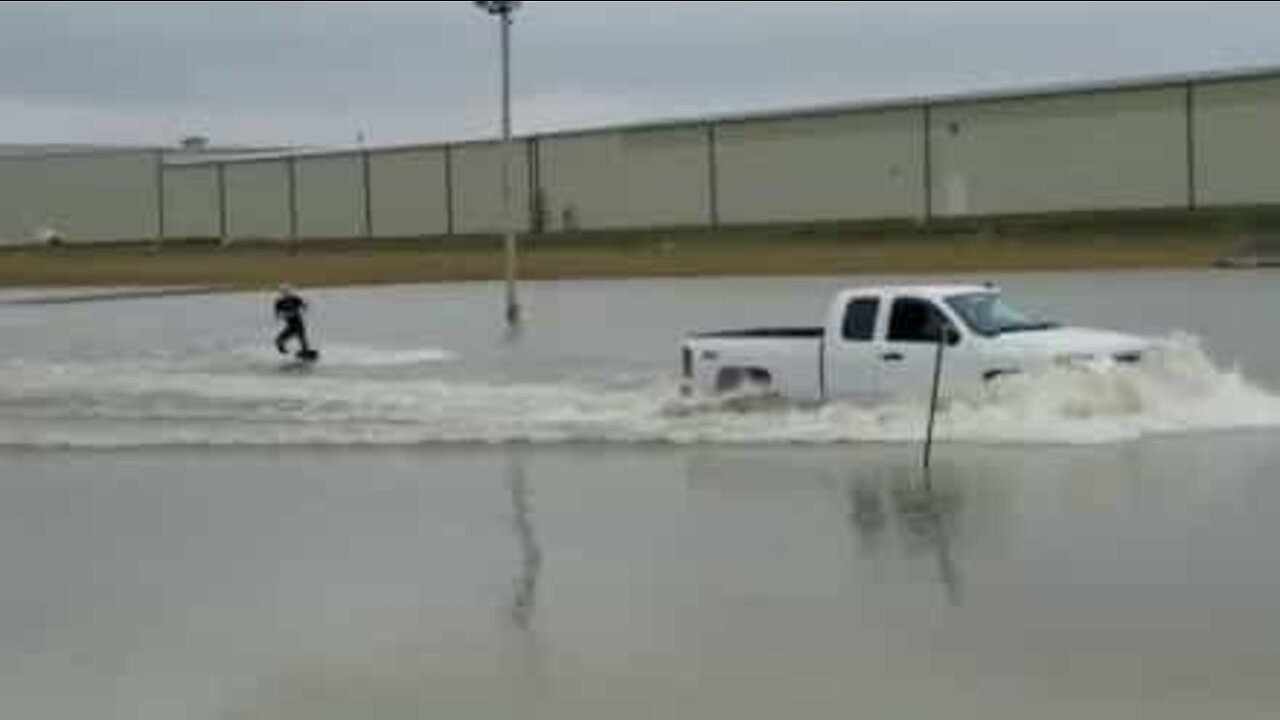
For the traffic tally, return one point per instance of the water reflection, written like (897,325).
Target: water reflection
(923,516)
(431,657)
(525,659)
(895,511)
(694,569)
(986,505)
(917,510)
(525,595)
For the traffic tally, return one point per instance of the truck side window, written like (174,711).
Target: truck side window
(915,321)
(860,320)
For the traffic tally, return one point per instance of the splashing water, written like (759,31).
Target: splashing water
(184,402)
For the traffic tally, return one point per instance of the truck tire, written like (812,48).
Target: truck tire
(738,379)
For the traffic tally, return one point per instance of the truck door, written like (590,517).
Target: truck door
(850,358)
(906,357)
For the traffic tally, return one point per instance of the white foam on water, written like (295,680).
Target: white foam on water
(356,357)
(1178,390)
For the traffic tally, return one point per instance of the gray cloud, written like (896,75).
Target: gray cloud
(318,72)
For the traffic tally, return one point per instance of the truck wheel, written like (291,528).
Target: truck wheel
(736,379)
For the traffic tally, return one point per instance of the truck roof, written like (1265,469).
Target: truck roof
(927,291)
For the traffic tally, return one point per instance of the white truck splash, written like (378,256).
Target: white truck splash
(880,344)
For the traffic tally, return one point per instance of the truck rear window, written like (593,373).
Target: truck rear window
(860,320)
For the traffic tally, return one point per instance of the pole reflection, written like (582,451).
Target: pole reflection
(525,594)
(922,513)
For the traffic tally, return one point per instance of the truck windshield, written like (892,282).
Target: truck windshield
(989,315)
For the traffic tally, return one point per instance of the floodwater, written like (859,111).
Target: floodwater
(440,521)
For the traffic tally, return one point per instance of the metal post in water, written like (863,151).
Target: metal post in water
(933,402)
(508,150)
(503,10)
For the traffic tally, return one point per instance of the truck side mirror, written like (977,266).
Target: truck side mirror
(951,336)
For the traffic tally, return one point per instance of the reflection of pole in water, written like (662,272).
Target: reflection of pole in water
(526,585)
(926,514)
(528,688)
(867,513)
(921,513)
(940,514)
(947,569)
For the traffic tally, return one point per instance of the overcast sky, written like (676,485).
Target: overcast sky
(320,73)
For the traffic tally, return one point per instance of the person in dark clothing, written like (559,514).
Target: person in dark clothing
(290,309)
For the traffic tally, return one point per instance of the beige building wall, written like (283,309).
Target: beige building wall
(258,202)
(628,179)
(477,188)
(331,196)
(1093,151)
(840,167)
(191,202)
(410,192)
(1237,140)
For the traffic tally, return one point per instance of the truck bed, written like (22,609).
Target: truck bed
(764,333)
(788,361)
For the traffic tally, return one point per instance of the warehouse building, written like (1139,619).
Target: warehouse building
(1187,143)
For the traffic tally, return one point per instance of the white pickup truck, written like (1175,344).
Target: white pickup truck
(881,343)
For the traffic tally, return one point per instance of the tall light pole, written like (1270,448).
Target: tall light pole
(503,10)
